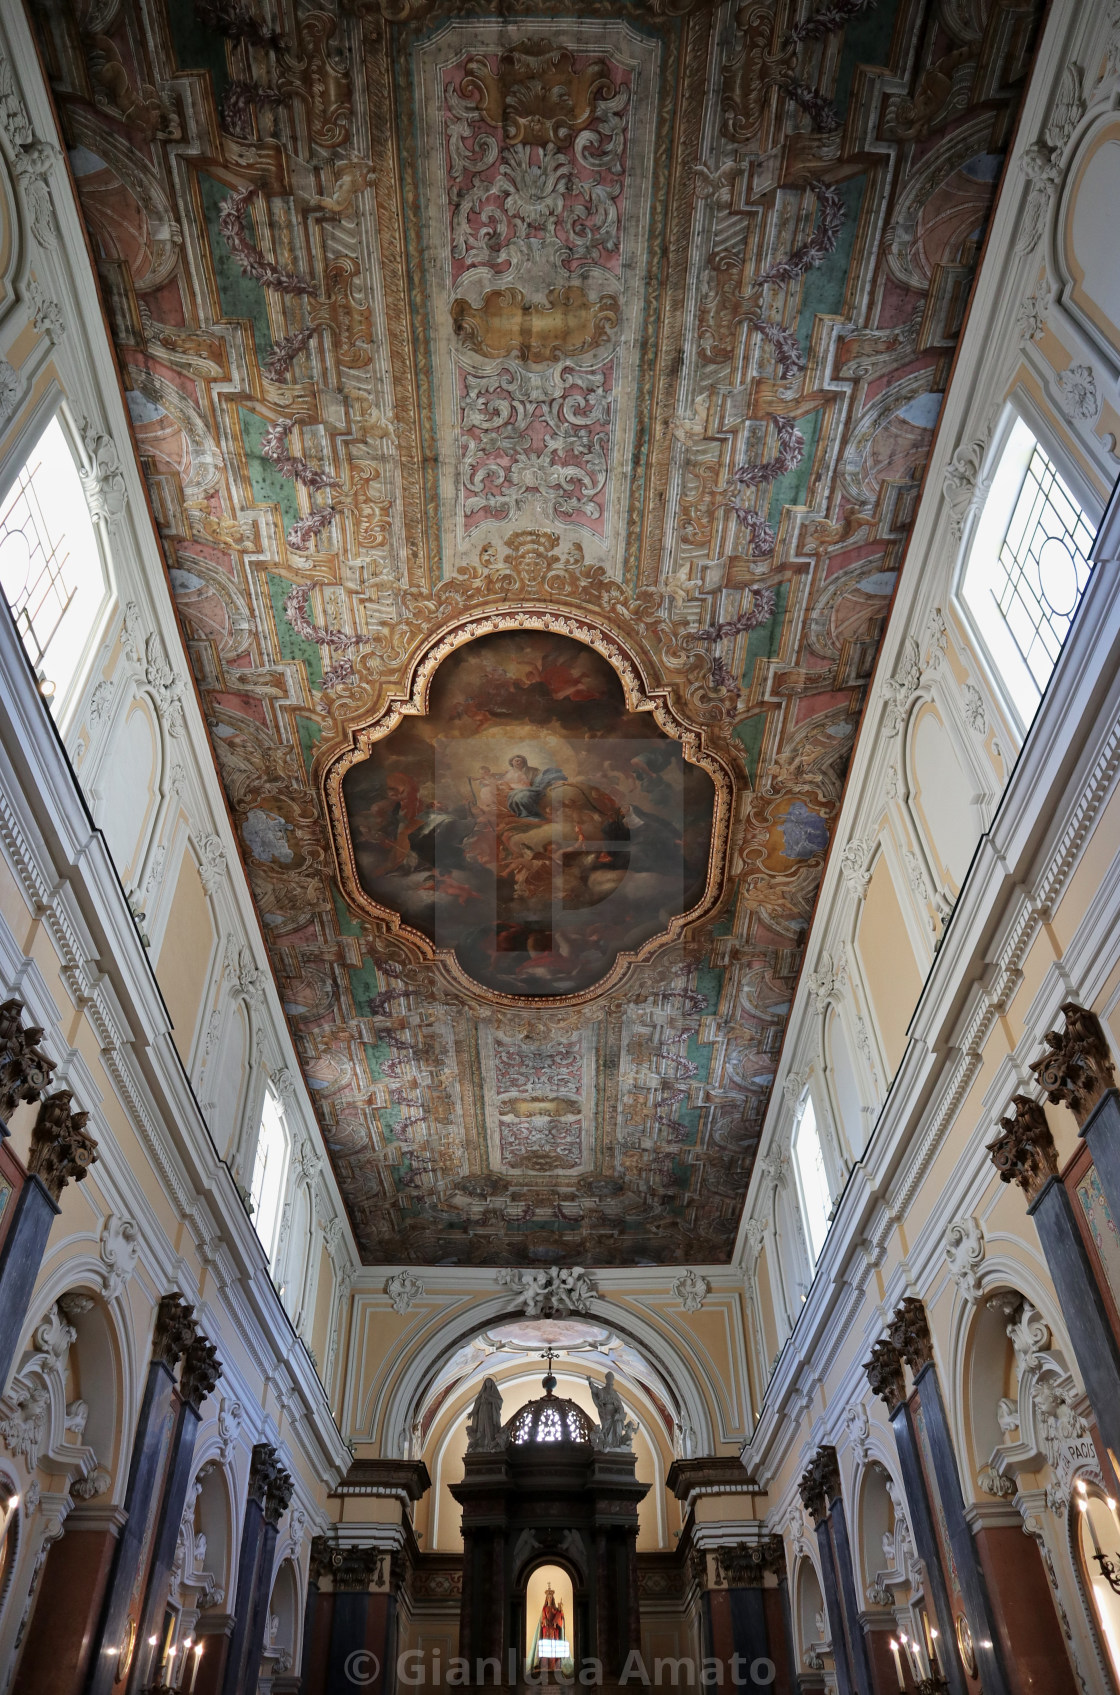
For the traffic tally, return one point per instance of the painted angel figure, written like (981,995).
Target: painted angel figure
(615,1429)
(484,1427)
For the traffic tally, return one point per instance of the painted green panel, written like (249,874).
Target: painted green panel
(269,487)
(825,286)
(292,645)
(309,734)
(240,296)
(197,47)
(749,734)
(867,41)
(790,489)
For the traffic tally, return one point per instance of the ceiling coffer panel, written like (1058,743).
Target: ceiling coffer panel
(533,408)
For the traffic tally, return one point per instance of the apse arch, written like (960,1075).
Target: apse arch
(390,1413)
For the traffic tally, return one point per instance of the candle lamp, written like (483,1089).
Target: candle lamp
(897,1664)
(194,1668)
(1108,1564)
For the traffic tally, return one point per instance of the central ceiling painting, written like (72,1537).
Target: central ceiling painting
(530,827)
(533,402)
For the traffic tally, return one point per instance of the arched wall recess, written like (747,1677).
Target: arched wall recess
(810,1620)
(851,1110)
(115,1355)
(945,798)
(125,784)
(1008,1264)
(389,1412)
(1084,244)
(891,974)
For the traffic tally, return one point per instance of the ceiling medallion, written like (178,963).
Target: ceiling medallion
(531,813)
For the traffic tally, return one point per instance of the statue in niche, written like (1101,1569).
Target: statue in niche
(615,1429)
(484,1427)
(550,1644)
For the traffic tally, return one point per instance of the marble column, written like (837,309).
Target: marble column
(198,1376)
(1024,1153)
(821,1482)
(61,1152)
(887,1377)
(270,1490)
(351,1614)
(910,1333)
(118,1644)
(749,1616)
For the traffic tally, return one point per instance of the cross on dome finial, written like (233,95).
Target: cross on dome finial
(548,1356)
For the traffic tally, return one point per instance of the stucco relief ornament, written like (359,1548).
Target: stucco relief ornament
(853,868)
(402,1289)
(959,483)
(120,1248)
(1077,394)
(554,1293)
(690,1289)
(9,389)
(964,1250)
(1033,311)
(230,1418)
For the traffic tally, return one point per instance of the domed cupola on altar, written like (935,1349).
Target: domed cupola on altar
(550,1527)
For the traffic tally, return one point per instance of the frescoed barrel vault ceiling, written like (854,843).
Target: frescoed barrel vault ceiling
(534,399)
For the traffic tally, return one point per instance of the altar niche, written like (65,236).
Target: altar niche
(550,1622)
(542,1500)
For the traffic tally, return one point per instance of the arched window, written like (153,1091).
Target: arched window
(1027,568)
(812,1178)
(269,1171)
(51,567)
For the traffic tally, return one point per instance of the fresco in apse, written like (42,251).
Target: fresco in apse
(529,822)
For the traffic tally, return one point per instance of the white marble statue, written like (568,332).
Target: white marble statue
(615,1429)
(484,1427)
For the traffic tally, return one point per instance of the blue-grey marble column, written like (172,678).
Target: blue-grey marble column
(818,1486)
(270,1490)
(887,1378)
(910,1334)
(118,1652)
(857,1641)
(61,1152)
(200,1373)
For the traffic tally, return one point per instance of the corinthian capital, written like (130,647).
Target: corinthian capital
(1076,1068)
(174,1331)
(200,1373)
(886,1375)
(909,1331)
(61,1150)
(24,1071)
(1025,1153)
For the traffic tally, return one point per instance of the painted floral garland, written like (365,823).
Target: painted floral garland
(249,258)
(819,245)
